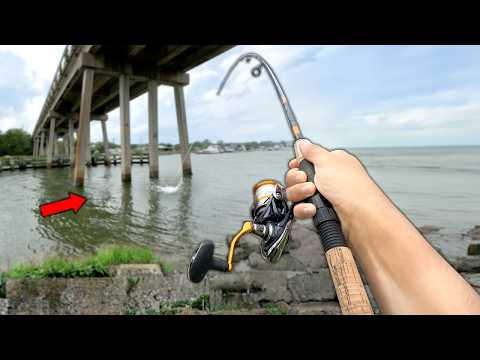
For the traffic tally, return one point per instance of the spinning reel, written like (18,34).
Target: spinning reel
(272,217)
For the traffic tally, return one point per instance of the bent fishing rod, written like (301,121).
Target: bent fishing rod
(272,217)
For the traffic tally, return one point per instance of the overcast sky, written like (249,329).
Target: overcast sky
(343,96)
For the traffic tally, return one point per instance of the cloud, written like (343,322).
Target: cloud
(342,95)
(450,108)
(25,75)
(41,62)
(25,117)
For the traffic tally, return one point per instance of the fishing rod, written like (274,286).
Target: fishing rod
(272,218)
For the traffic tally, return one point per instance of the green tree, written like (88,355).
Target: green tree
(98,146)
(15,142)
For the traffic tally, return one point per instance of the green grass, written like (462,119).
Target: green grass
(274,309)
(96,265)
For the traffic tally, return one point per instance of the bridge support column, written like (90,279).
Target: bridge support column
(153,128)
(88,152)
(35,146)
(84,122)
(124,90)
(65,146)
(42,144)
(182,129)
(105,143)
(51,143)
(71,142)
(55,146)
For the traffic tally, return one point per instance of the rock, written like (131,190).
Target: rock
(312,286)
(135,270)
(310,252)
(472,279)
(3,306)
(245,246)
(286,262)
(474,233)
(242,266)
(148,292)
(316,308)
(56,296)
(304,234)
(429,229)
(235,281)
(180,288)
(146,288)
(239,255)
(248,288)
(468,264)
(307,224)
(473,249)
(141,288)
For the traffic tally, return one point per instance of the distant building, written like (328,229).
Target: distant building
(165,147)
(228,149)
(211,149)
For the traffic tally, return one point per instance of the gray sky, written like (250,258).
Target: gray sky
(342,95)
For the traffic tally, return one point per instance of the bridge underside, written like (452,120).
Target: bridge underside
(167,64)
(93,80)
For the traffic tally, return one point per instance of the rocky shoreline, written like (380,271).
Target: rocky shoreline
(299,283)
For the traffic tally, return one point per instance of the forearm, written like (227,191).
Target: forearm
(406,275)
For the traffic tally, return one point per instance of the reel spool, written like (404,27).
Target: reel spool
(272,216)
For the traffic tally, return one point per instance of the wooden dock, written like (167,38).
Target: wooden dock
(20,163)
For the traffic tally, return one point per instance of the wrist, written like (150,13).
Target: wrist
(365,216)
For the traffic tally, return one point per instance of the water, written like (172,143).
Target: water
(432,185)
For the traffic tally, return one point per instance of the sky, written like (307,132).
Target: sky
(343,96)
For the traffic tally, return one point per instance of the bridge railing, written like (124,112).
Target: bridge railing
(68,54)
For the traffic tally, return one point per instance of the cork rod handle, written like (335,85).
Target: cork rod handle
(348,284)
(351,293)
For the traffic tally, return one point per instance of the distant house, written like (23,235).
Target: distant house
(211,149)
(165,147)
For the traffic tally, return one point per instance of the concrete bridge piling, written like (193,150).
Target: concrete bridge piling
(92,80)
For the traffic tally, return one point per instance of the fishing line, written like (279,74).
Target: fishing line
(168,189)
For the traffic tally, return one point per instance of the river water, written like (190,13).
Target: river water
(437,186)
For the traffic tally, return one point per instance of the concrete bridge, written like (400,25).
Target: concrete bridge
(92,80)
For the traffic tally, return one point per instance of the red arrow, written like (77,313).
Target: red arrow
(73,202)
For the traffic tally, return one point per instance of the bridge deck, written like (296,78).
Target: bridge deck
(167,64)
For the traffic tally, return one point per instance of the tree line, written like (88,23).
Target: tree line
(15,142)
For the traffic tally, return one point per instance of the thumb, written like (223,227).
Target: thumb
(304,149)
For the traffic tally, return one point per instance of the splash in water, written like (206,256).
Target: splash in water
(171,189)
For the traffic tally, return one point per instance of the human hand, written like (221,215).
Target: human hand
(339,176)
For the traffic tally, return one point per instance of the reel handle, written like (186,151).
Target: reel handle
(348,284)
(218,264)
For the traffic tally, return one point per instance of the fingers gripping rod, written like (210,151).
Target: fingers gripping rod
(351,293)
